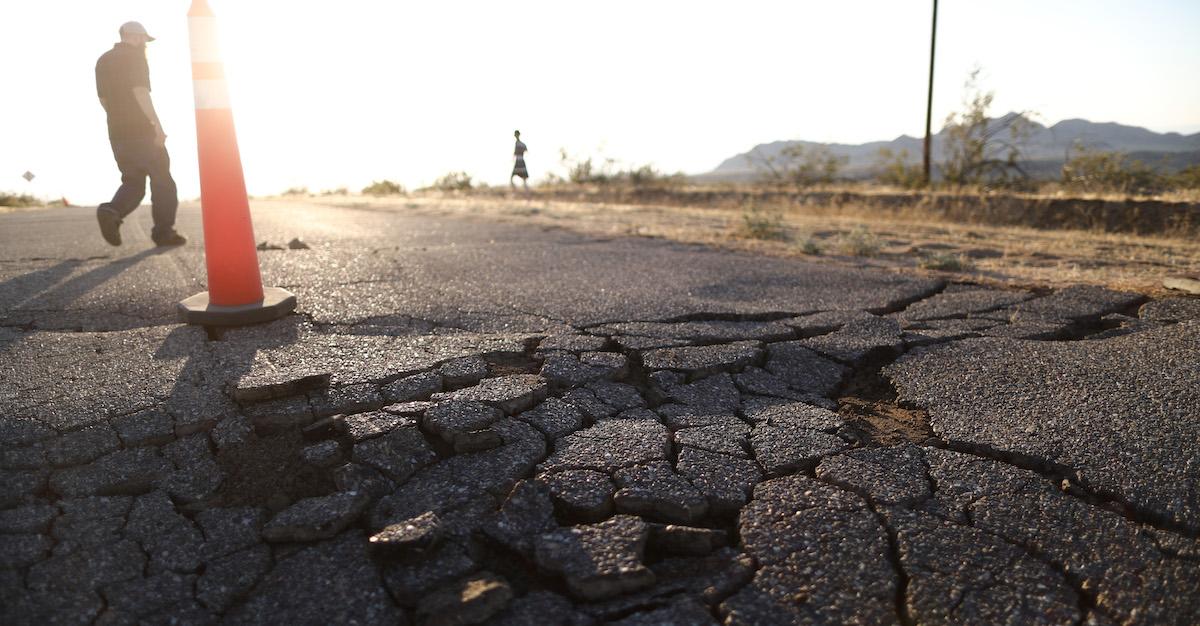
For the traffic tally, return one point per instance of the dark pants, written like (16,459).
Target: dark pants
(139,159)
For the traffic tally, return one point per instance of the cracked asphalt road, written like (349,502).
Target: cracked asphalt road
(470,422)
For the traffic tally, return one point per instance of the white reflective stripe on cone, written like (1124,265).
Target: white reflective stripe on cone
(211,94)
(202,34)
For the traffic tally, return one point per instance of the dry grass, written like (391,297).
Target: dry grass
(809,246)
(1057,190)
(858,242)
(988,254)
(1045,190)
(1160,216)
(11,200)
(761,224)
(945,262)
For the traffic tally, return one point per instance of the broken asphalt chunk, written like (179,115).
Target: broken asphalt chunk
(726,481)
(415,387)
(555,418)
(511,394)
(688,540)
(398,454)
(413,536)
(598,561)
(262,387)
(463,424)
(700,361)
(858,340)
(568,370)
(526,513)
(586,495)
(782,446)
(610,445)
(321,517)
(656,491)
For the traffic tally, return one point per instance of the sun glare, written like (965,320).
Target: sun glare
(337,95)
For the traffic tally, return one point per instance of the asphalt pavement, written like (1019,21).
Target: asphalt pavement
(468,421)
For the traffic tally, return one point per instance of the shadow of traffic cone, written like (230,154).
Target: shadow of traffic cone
(235,293)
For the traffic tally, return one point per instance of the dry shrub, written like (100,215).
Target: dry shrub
(946,262)
(858,242)
(764,225)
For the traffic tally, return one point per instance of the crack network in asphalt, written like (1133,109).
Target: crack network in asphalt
(866,400)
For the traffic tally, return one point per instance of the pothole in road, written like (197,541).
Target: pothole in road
(869,402)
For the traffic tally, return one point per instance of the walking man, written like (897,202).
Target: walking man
(137,138)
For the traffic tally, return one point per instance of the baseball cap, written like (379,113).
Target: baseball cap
(135,28)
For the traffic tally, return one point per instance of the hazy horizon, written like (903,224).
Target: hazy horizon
(364,91)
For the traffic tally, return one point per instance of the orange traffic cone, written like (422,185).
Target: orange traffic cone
(235,293)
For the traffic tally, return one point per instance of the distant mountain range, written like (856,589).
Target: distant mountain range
(1044,152)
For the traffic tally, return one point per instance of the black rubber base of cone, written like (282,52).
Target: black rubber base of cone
(275,304)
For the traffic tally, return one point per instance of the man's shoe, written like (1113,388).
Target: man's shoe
(170,239)
(110,225)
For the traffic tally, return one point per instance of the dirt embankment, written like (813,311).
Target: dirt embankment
(1128,216)
(901,238)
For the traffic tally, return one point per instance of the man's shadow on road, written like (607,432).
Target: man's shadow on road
(19,289)
(55,295)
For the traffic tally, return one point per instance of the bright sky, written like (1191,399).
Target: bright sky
(330,94)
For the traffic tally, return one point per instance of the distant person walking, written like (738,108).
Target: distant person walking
(519,169)
(137,139)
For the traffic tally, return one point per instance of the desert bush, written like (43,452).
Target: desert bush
(453,181)
(12,199)
(585,171)
(858,242)
(296,191)
(897,168)
(810,246)
(980,150)
(640,176)
(1091,170)
(799,166)
(649,176)
(602,171)
(757,223)
(945,261)
(384,188)
(1187,178)
(340,191)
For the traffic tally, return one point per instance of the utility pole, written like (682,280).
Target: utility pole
(929,101)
